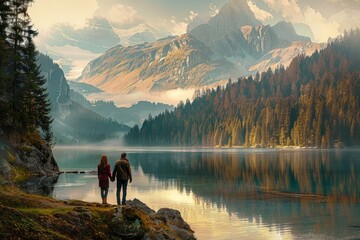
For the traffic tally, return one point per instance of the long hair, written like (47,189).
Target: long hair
(103,161)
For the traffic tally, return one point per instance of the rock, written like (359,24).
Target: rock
(231,16)
(84,213)
(164,224)
(43,185)
(137,203)
(86,216)
(38,160)
(5,168)
(183,234)
(73,219)
(172,217)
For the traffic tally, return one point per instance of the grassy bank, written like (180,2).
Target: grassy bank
(25,216)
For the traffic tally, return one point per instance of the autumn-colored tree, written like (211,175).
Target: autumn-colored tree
(313,103)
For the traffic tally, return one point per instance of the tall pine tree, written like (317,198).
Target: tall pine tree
(23,95)
(4,63)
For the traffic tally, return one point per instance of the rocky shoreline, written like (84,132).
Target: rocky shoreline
(26,216)
(30,216)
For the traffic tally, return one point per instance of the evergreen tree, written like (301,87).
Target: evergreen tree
(25,108)
(18,22)
(38,111)
(4,63)
(314,102)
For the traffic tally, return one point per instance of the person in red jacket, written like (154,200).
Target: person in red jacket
(104,173)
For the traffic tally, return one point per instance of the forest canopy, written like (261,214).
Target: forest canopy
(312,103)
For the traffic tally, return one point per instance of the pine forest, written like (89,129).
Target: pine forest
(312,103)
(24,106)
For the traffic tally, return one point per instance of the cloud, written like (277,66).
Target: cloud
(178,28)
(289,9)
(258,12)
(345,2)
(347,19)
(45,13)
(321,27)
(120,15)
(70,57)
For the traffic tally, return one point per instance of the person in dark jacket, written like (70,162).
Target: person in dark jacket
(122,172)
(104,173)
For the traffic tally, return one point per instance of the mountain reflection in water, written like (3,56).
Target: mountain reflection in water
(252,193)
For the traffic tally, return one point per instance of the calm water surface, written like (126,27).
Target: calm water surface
(233,193)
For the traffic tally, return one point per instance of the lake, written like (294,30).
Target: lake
(231,193)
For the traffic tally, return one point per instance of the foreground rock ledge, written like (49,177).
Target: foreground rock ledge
(25,216)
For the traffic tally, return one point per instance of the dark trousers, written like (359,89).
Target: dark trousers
(104,192)
(121,184)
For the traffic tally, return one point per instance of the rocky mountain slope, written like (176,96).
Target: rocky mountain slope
(138,34)
(231,44)
(73,123)
(286,31)
(130,116)
(169,63)
(231,17)
(248,41)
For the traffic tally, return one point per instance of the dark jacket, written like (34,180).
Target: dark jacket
(122,170)
(104,173)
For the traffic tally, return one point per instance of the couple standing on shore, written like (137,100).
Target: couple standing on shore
(122,172)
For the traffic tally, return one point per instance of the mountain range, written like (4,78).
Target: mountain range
(77,120)
(231,44)
(72,122)
(73,48)
(312,103)
(130,116)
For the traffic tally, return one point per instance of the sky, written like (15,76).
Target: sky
(325,18)
(317,19)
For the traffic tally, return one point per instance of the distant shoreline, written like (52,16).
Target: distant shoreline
(184,148)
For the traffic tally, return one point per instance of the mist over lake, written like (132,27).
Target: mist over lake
(262,194)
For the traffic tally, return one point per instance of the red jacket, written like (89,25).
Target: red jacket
(103,175)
